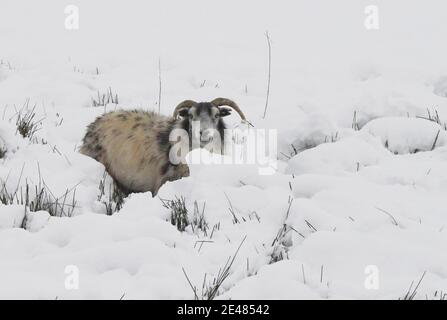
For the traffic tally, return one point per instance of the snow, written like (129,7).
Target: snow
(357,193)
(407,135)
(12,216)
(9,141)
(347,155)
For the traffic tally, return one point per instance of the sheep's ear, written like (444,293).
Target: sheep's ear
(183,112)
(223,112)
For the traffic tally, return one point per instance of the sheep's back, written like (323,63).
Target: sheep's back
(127,144)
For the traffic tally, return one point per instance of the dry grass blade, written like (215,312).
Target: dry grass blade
(231,209)
(436,140)
(389,215)
(267,36)
(194,289)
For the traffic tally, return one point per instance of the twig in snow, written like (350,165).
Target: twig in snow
(355,124)
(194,289)
(269,72)
(436,140)
(388,214)
(231,209)
(304,277)
(321,274)
(310,225)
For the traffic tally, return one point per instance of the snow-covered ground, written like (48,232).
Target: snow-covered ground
(355,210)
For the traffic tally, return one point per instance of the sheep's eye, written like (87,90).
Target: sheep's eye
(217,116)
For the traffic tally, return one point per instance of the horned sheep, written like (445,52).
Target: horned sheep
(134,146)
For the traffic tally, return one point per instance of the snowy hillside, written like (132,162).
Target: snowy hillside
(355,209)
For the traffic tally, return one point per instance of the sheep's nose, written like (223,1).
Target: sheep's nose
(206,135)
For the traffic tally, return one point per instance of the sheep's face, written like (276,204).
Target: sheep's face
(204,122)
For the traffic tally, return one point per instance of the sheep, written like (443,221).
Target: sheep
(134,146)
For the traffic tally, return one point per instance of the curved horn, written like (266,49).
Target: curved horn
(227,102)
(183,104)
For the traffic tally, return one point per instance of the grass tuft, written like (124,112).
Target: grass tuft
(104,99)
(280,244)
(179,212)
(198,221)
(355,124)
(439,295)
(411,294)
(114,200)
(211,289)
(39,198)
(26,122)
(181,218)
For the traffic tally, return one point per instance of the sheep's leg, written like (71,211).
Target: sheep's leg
(174,172)
(120,192)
